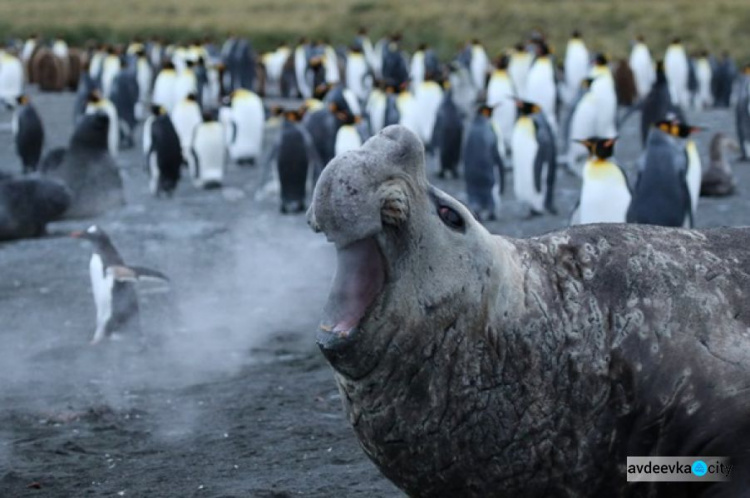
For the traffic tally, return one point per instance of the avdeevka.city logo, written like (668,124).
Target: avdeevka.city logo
(679,469)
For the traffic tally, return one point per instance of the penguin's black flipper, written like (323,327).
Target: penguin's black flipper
(575,215)
(122,273)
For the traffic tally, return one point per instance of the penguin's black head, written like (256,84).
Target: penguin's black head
(422,47)
(321,90)
(519,47)
(502,61)
(598,147)
(93,234)
(483,109)
(676,41)
(22,99)
(527,108)
(600,60)
(542,49)
(192,97)
(677,128)
(576,34)
(94,96)
(209,116)
(292,115)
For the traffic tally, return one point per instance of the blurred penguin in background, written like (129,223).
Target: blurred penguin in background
(661,195)
(28,133)
(677,71)
(625,85)
(245,119)
(643,67)
(144,77)
(11,78)
(703,97)
(603,91)
(580,125)
(518,68)
(541,87)
(479,64)
(534,159)
(186,116)
(605,192)
(125,98)
(724,74)
(208,153)
(111,65)
(576,65)
(500,95)
(165,87)
(658,104)
(718,179)
(447,137)
(742,114)
(164,158)
(358,78)
(98,104)
(483,166)
(428,97)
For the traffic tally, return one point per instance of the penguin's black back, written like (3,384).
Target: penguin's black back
(450,135)
(656,106)
(125,317)
(322,126)
(125,96)
(292,163)
(660,196)
(166,145)
(30,137)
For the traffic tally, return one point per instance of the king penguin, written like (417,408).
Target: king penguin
(29,134)
(165,87)
(676,69)
(534,159)
(694,167)
(97,103)
(164,158)
(603,91)
(427,98)
(186,116)
(500,95)
(208,154)
(540,85)
(576,65)
(658,104)
(448,135)
(247,119)
(518,68)
(642,66)
(483,166)
(11,78)
(579,125)
(661,195)
(112,283)
(605,192)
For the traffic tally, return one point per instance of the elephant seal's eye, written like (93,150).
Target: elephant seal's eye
(451,218)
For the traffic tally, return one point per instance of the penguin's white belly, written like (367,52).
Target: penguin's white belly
(576,67)
(518,70)
(642,67)
(694,173)
(147,134)
(604,199)
(427,101)
(676,71)
(101,286)
(164,91)
(185,118)
(409,114)
(113,127)
(376,111)
(248,117)
(356,70)
(185,84)
(541,89)
(606,108)
(525,148)
(300,66)
(347,138)
(209,150)
(109,72)
(11,79)
(500,95)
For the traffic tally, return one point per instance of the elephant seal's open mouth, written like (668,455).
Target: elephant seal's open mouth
(359,279)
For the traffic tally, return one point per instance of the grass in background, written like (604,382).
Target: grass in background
(606,25)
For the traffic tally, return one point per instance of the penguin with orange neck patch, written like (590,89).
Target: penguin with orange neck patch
(605,192)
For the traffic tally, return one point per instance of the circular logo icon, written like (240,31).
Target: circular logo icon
(699,468)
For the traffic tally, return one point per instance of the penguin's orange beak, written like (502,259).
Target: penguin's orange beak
(76,234)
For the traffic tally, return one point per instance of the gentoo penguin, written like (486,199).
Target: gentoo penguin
(164,159)
(483,166)
(208,153)
(658,104)
(110,67)
(579,125)
(27,204)
(676,69)
(165,87)
(605,192)
(518,68)
(642,66)
(186,116)
(11,78)
(541,88)
(576,65)
(742,113)
(124,96)
(603,91)
(703,98)
(246,123)
(534,159)
(718,180)
(294,154)
(29,134)
(112,283)
(500,95)
(479,65)
(661,195)
(448,135)
(97,103)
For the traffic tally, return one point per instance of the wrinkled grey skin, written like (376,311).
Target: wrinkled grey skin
(491,366)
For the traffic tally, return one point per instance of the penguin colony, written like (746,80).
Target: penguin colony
(197,108)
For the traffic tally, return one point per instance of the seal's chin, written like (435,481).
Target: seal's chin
(360,278)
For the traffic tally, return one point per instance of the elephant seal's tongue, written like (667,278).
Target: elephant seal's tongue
(360,276)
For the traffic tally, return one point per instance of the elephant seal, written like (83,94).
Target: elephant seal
(27,204)
(478,365)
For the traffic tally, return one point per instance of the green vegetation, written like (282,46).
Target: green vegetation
(607,25)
